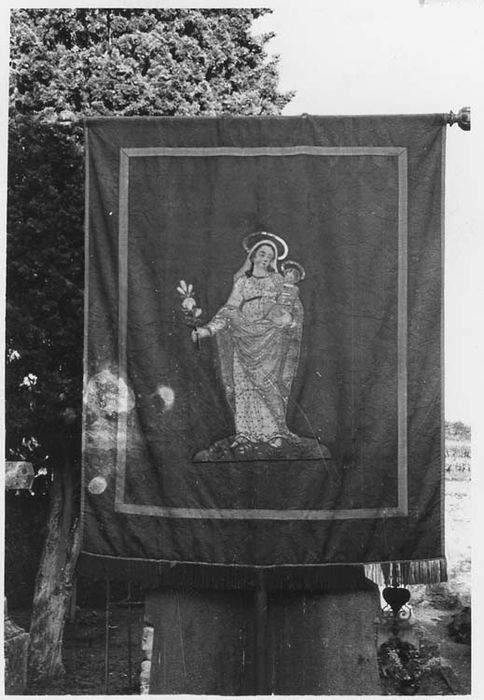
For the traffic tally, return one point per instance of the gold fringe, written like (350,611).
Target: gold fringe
(324,578)
(403,573)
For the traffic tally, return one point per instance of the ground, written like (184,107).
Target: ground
(436,606)
(85,653)
(433,609)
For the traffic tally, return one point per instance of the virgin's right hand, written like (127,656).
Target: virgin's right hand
(200,333)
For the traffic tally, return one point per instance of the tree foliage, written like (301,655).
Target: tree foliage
(141,62)
(87,62)
(44,288)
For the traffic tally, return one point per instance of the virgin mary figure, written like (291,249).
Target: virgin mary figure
(258,354)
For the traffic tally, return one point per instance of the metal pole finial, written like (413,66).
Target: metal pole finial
(462,118)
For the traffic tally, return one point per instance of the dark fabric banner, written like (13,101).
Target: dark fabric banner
(263,359)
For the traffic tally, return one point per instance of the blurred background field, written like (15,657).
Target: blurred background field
(441,613)
(458,509)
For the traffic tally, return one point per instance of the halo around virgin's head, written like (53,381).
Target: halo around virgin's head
(256,237)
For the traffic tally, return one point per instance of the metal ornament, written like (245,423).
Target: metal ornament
(462,118)
(397,599)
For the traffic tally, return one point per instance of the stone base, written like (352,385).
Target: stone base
(314,644)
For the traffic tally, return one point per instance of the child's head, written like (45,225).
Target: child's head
(293,272)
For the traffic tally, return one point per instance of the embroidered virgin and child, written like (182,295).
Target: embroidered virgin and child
(258,332)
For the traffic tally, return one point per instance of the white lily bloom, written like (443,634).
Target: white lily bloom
(189,303)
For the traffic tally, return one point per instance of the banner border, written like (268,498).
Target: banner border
(401,510)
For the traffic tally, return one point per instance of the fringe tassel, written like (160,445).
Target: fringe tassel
(325,578)
(404,573)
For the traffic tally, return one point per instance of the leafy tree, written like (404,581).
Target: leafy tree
(68,63)
(141,62)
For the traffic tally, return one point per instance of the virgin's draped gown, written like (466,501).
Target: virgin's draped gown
(258,359)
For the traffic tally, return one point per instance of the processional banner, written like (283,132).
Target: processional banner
(263,356)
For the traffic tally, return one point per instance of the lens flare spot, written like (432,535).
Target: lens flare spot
(97,485)
(167,395)
(107,395)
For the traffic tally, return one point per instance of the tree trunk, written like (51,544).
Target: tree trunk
(53,584)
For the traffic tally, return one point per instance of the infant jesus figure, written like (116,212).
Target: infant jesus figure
(281,311)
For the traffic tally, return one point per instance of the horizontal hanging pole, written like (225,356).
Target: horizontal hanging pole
(462,118)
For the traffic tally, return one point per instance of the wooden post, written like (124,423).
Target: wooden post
(130,639)
(107,622)
(261,640)
(203,643)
